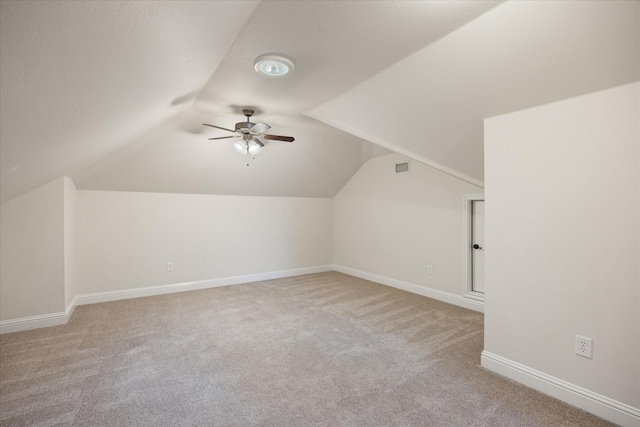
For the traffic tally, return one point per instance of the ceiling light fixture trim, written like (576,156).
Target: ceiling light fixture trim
(273,65)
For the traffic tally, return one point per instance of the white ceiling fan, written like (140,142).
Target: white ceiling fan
(250,135)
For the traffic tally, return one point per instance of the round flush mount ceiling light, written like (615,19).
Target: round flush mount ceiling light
(273,65)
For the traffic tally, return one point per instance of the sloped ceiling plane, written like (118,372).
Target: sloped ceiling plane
(114,94)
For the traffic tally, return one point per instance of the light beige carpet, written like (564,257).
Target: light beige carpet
(318,350)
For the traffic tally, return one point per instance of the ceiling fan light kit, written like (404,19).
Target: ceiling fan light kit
(247,146)
(273,65)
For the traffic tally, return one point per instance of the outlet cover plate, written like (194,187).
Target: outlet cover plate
(584,346)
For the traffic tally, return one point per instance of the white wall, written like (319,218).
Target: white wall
(70,237)
(394,225)
(563,236)
(126,239)
(32,277)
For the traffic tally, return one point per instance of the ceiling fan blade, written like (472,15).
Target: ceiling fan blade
(224,137)
(260,127)
(260,143)
(279,138)
(218,127)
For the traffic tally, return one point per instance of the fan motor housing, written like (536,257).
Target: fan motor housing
(244,127)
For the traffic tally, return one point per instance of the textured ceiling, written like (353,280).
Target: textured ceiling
(82,79)
(104,91)
(114,94)
(175,161)
(335,44)
(431,105)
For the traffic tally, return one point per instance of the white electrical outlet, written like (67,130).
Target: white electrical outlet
(169,266)
(584,346)
(429,269)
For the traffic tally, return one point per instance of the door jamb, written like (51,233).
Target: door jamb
(468,291)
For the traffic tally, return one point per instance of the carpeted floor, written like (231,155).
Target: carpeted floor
(318,350)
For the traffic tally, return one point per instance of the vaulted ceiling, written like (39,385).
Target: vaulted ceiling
(114,94)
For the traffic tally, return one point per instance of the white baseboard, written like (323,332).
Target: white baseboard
(33,322)
(192,286)
(597,404)
(413,288)
(55,319)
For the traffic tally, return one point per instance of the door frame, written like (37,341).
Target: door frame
(468,291)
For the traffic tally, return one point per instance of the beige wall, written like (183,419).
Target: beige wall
(394,225)
(32,277)
(126,239)
(562,236)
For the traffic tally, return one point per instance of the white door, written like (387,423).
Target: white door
(477,246)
